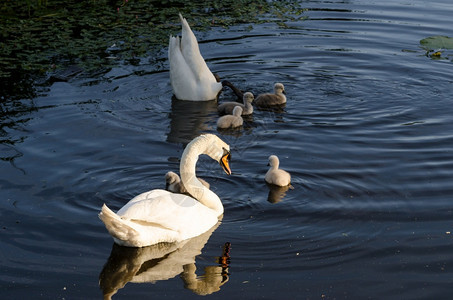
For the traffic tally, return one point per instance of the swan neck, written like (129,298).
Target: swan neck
(188,176)
(275,164)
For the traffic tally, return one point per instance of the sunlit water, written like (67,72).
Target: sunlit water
(367,135)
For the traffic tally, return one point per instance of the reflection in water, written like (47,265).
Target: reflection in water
(162,262)
(214,276)
(236,132)
(273,108)
(188,119)
(277,193)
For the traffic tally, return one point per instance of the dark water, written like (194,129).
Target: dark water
(367,135)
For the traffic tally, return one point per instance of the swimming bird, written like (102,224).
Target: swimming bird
(160,216)
(190,76)
(231,121)
(226,108)
(275,175)
(174,184)
(277,98)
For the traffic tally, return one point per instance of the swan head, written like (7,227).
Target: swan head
(248,97)
(171,177)
(215,148)
(279,88)
(219,151)
(273,161)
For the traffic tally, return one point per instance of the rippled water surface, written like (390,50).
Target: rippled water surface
(367,135)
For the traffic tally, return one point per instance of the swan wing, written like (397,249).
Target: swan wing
(169,211)
(182,78)
(191,53)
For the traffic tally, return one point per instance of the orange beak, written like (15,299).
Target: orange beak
(225,162)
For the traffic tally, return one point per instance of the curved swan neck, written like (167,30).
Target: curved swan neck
(201,145)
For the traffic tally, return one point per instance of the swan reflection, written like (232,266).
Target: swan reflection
(162,262)
(277,193)
(188,119)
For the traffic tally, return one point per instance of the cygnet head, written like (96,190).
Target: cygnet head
(171,177)
(273,161)
(237,111)
(248,97)
(279,88)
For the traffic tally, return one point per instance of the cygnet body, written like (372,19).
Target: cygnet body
(174,184)
(277,98)
(275,175)
(231,121)
(228,107)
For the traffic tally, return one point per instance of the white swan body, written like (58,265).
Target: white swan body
(275,175)
(247,108)
(231,121)
(161,216)
(174,184)
(190,76)
(277,98)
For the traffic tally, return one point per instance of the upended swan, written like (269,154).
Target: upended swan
(231,121)
(275,175)
(160,216)
(247,108)
(174,184)
(190,76)
(277,98)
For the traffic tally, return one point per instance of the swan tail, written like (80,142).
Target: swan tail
(118,228)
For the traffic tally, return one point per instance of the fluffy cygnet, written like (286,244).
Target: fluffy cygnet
(231,121)
(228,107)
(174,184)
(277,98)
(275,175)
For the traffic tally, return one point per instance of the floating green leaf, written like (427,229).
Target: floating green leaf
(437,42)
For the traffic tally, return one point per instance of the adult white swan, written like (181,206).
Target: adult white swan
(161,216)
(190,77)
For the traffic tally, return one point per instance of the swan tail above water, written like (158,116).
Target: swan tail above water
(117,227)
(190,76)
(191,53)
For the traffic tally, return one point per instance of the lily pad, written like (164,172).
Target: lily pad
(437,42)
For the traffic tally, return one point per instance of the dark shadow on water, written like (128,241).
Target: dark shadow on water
(162,262)
(236,132)
(274,108)
(277,193)
(188,119)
